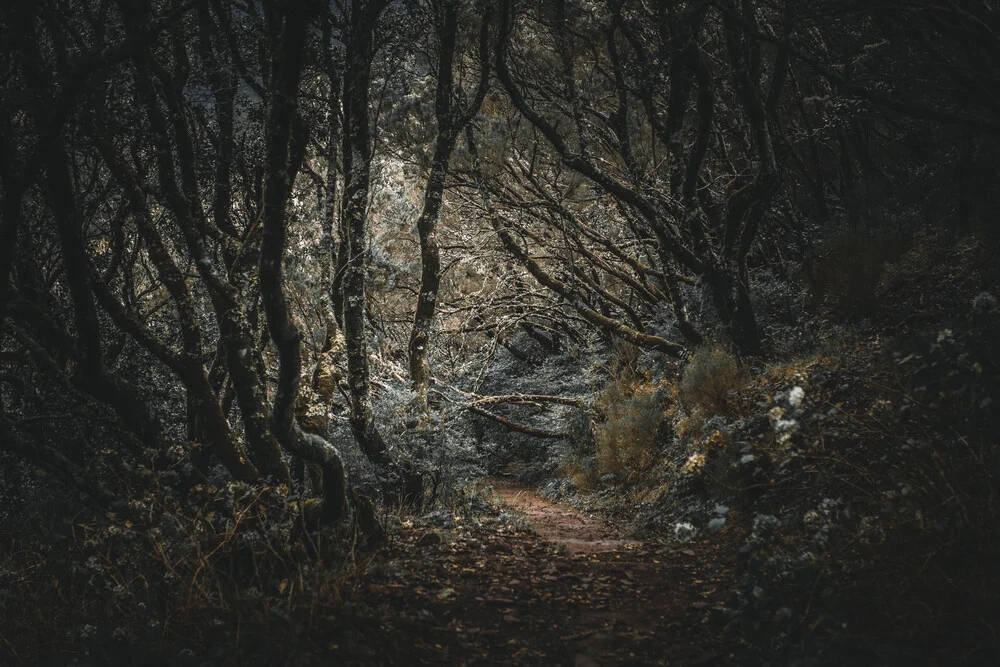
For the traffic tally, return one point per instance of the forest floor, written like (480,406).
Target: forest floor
(857,528)
(556,588)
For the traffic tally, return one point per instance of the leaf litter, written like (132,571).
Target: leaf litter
(554,587)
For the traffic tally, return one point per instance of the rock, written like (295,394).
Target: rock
(430,539)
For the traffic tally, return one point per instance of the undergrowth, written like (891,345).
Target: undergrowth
(859,483)
(632,411)
(709,378)
(167,577)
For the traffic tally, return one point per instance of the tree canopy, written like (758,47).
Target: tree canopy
(294,242)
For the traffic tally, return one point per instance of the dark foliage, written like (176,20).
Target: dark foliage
(280,276)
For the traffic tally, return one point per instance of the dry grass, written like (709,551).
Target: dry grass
(626,440)
(584,478)
(710,376)
(794,371)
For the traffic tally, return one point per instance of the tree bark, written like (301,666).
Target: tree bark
(92,375)
(357,157)
(184,201)
(203,401)
(280,170)
(450,123)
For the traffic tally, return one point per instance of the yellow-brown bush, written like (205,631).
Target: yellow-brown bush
(626,440)
(710,375)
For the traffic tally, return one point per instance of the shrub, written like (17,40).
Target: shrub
(710,375)
(623,362)
(633,414)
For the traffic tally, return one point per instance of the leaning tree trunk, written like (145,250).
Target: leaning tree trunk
(175,154)
(450,123)
(402,479)
(92,376)
(282,163)
(357,154)
(205,410)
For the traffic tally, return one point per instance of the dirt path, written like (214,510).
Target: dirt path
(572,592)
(559,524)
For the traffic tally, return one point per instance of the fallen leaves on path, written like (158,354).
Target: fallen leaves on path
(486,593)
(559,524)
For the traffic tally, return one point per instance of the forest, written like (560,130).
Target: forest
(499,332)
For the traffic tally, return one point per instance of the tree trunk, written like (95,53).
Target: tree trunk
(450,124)
(357,155)
(430,278)
(281,168)
(357,158)
(207,418)
(92,376)
(185,203)
(731,298)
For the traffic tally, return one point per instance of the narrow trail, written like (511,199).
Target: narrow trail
(559,524)
(572,591)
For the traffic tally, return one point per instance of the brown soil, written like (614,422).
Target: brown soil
(571,592)
(562,525)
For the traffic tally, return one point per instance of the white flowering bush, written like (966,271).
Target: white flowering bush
(796,396)
(684,531)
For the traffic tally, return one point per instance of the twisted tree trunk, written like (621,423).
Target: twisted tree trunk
(185,202)
(357,167)
(450,123)
(282,164)
(92,376)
